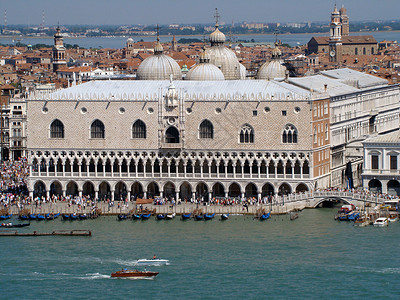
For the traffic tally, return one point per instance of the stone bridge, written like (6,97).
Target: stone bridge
(313,198)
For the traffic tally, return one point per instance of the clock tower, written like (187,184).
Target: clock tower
(335,38)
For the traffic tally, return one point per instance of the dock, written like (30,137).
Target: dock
(53,233)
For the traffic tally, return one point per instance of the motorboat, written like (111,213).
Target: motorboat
(135,274)
(381,222)
(265,216)
(208,217)
(161,217)
(224,217)
(186,216)
(170,216)
(151,262)
(11,225)
(393,217)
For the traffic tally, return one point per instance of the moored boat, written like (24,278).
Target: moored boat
(381,222)
(393,217)
(362,221)
(161,217)
(198,217)
(122,217)
(11,225)
(74,216)
(40,217)
(24,217)
(133,274)
(145,216)
(65,216)
(32,217)
(135,217)
(265,216)
(151,262)
(354,215)
(186,216)
(83,217)
(170,216)
(208,217)
(224,216)
(5,217)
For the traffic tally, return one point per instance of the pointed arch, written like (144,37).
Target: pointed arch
(97,130)
(289,134)
(56,129)
(206,130)
(139,130)
(246,135)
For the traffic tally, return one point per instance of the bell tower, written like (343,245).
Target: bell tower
(345,21)
(335,37)
(58,51)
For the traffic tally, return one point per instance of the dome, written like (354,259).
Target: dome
(243,72)
(272,69)
(217,37)
(203,72)
(159,67)
(226,60)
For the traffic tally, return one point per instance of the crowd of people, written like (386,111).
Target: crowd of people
(13,188)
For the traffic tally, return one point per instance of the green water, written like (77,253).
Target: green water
(311,257)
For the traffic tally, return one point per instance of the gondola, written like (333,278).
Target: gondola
(5,217)
(198,217)
(170,216)
(135,217)
(161,217)
(24,217)
(65,217)
(208,217)
(32,217)
(145,216)
(49,216)
(224,217)
(122,217)
(11,225)
(83,216)
(56,215)
(186,216)
(40,217)
(265,216)
(74,216)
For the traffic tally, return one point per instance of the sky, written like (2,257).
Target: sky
(116,12)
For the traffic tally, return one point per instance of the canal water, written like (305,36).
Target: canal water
(313,256)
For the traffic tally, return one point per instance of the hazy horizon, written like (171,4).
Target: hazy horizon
(124,12)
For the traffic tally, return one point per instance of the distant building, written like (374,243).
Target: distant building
(59,59)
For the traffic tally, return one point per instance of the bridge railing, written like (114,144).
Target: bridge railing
(329,194)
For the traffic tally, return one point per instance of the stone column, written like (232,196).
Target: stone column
(112,170)
(234,170)
(226,194)
(63,168)
(152,169)
(301,170)
(161,194)
(177,169)
(259,196)
(176,197)
(259,169)
(292,170)
(209,196)
(30,170)
(104,169)
(218,170)
(194,195)
(96,194)
(80,169)
(47,169)
(209,170)
(120,169)
(80,193)
(267,169)
(201,169)
(144,195)
(47,194)
(169,168)
(226,170)
(184,169)
(242,167)
(128,195)
(112,194)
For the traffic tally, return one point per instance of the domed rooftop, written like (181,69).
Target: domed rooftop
(204,70)
(159,66)
(217,37)
(243,72)
(274,68)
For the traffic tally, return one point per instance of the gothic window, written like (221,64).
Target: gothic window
(139,130)
(57,130)
(289,134)
(246,134)
(97,130)
(206,130)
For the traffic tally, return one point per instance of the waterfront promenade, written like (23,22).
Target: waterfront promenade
(277,204)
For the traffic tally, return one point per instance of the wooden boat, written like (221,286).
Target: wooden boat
(40,217)
(145,216)
(83,217)
(362,221)
(65,216)
(136,217)
(133,274)
(186,216)
(293,216)
(74,216)
(11,225)
(353,216)
(170,216)
(5,217)
(161,217)
(393,217)
(32,217)
(265,216)
(224,217)
(381,222)
(198,217)
(24,217)
(208,217)
(122,217)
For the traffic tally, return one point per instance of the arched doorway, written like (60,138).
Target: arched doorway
(301,188)
(185,191)
(234,190)
(218,190)
(104,191)
(72,189)
(88,190)
(375,186)
(169,190)
(267,190)
(39,189)
(393,188)
(202,191)
(172,135)
(55,189)
(153,190)
(137,190)
(120,192)
(251,190)
(284,189)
